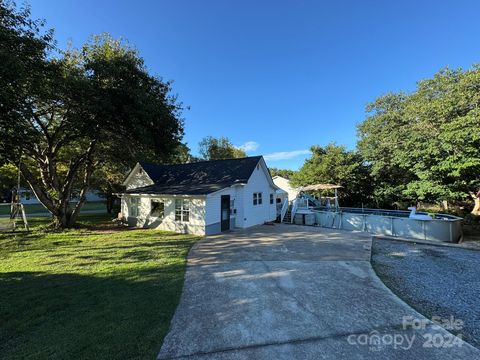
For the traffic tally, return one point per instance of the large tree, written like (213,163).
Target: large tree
(335,164)
(379,137)
(428,140)
(212,148)
(78,111)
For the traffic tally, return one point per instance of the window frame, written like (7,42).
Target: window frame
(182,212)
(257,198)
(134,208)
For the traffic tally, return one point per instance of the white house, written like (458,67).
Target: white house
(200,198)
(284,184)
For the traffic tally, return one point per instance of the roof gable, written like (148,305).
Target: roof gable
(266,172)
(135,172)
(197,178)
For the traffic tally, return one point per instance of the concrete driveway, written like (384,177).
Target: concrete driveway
(295,292)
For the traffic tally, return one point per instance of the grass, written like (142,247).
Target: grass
(39,208)
(98,292)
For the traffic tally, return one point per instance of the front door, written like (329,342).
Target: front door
(225,212)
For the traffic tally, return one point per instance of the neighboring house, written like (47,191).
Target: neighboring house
(202,198)
(284,184)
(28,197)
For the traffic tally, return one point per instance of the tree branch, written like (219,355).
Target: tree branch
(40,193)
(89,168)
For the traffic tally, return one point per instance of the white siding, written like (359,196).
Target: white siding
(247,213)
(195,225)
(240,206)
(138,178)
(213,204)
(258,182)
(284,184)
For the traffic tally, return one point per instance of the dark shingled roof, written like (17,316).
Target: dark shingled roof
(198,178)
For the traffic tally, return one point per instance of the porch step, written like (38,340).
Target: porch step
(288,215)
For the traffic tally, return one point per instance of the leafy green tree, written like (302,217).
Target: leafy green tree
(335,164)
(8,179)
(431,136)
(380,135)
(88,107)
(182,155)
(24,47)
(286,173)
(211,148)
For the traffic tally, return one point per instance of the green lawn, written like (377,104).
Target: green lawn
(100,292)
(39,208)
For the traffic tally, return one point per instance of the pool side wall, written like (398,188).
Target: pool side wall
(438,230)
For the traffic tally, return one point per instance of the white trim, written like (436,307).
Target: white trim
(134,171)
(228,187)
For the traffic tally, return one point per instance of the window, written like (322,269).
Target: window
(182,210)
(257,198)
(157,208)
(271,199)
(134,205)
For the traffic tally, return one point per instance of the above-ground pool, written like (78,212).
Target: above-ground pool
(396,223)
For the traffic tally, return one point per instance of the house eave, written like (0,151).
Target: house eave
(159,195)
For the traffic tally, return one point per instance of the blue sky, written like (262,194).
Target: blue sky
(279,76)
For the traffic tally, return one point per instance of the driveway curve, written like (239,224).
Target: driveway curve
(296,292)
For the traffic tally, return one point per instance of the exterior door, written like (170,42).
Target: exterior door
(225,212)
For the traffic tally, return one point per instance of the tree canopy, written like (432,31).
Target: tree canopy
(286,173)
(426,145)
(78,111)
(335,164)
(8,180)
(212,148)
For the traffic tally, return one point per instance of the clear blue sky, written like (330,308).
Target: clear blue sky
(280,75)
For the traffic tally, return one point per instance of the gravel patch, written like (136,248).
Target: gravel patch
(434,280)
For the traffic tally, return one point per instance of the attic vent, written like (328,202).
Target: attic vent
(258,166)
(140,171)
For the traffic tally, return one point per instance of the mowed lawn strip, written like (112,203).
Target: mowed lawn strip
(94,293)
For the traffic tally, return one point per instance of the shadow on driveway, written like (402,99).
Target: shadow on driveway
(293,292)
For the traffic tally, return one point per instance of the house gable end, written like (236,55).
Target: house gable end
(266,172)
(137,178)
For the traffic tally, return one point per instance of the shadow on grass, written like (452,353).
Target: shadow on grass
(66,316)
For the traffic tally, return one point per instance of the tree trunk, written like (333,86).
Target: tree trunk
(444,205)
(61,221)
(87,175)
(110,203)
(59,208)
(476,199)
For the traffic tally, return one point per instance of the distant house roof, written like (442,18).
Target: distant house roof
(198,178)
